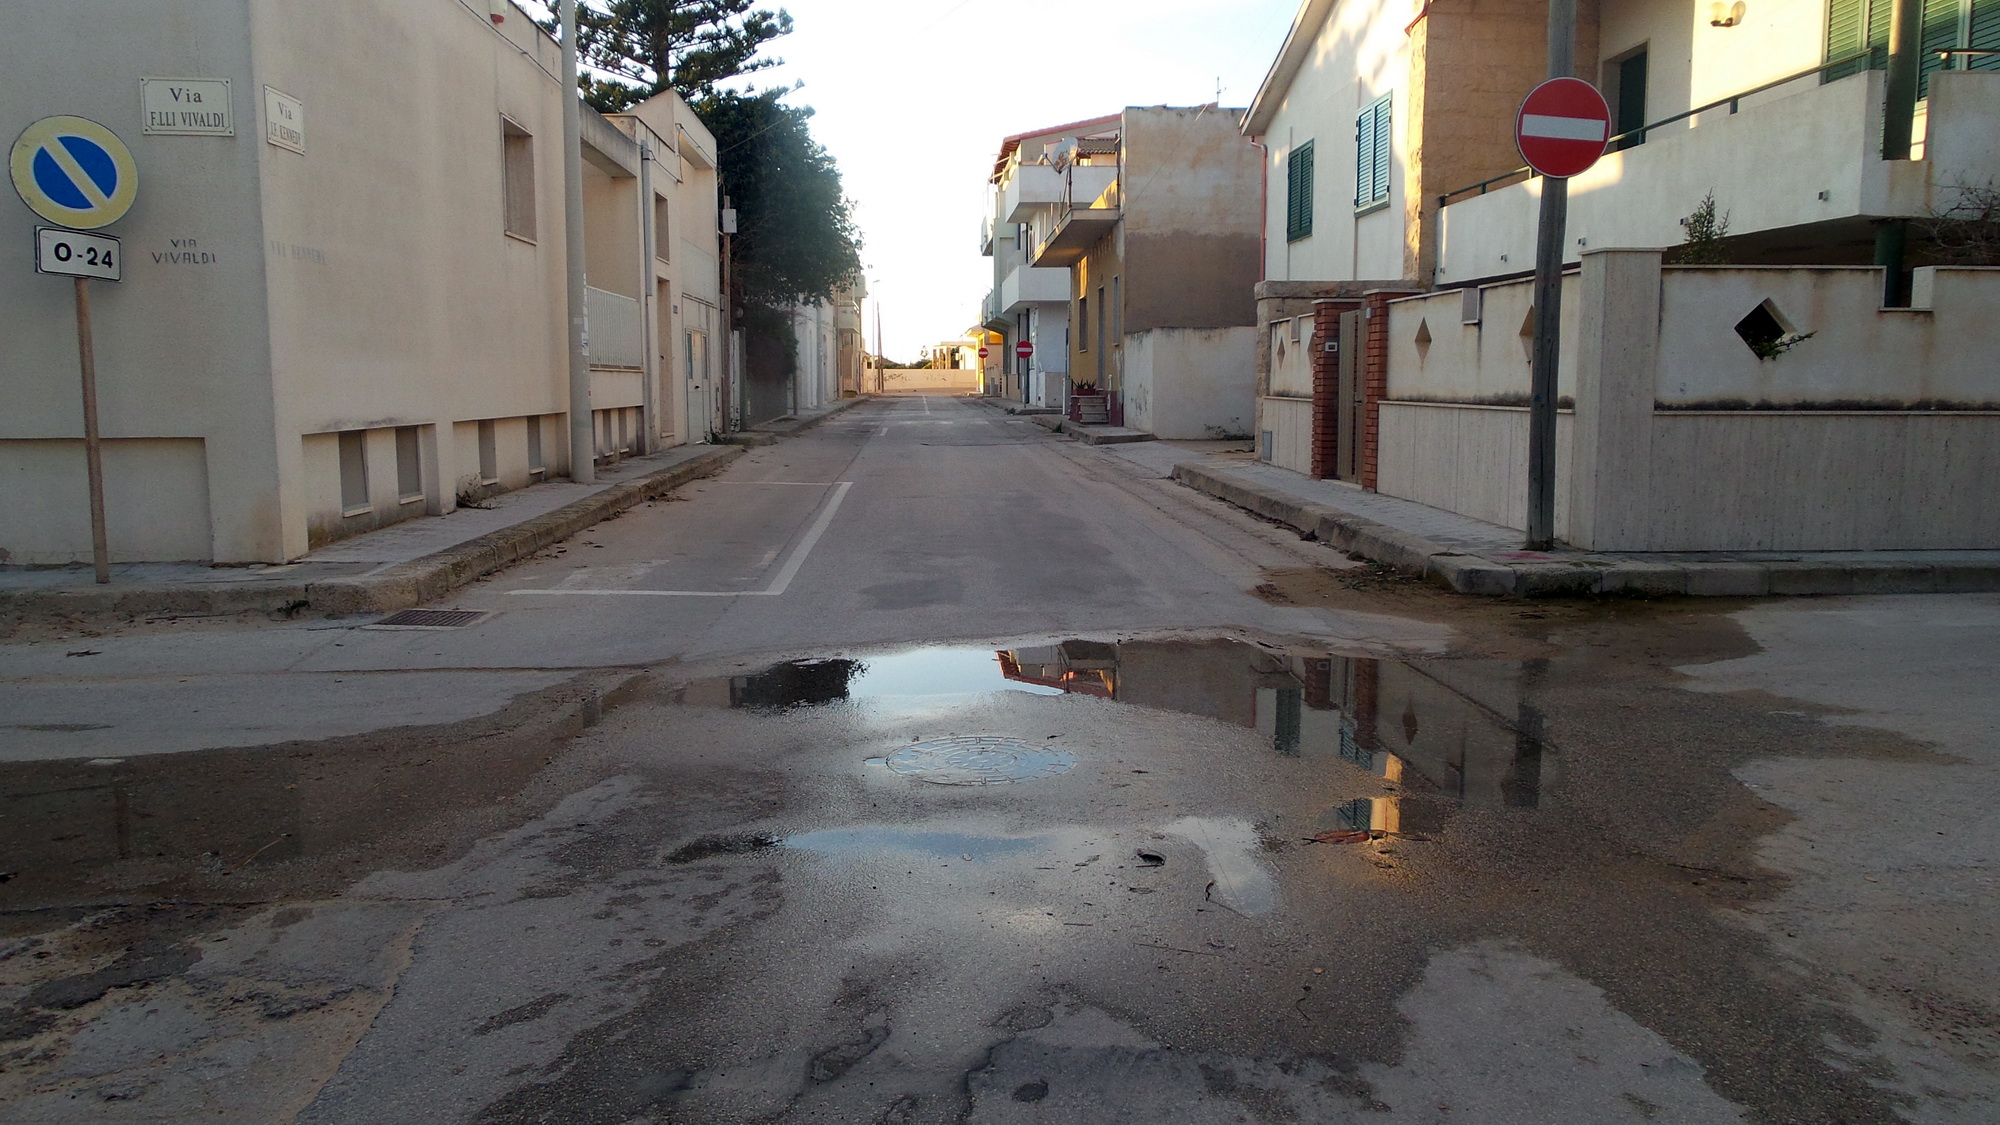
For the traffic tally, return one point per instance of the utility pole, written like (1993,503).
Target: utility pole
(1548,309)
(881,358)
(582,427)
(1899,111)
(728,381)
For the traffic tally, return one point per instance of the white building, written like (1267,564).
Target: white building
(1399,226)
(354,322)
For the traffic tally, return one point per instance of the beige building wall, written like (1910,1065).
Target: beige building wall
(182,333)
(402,299)
(383,284)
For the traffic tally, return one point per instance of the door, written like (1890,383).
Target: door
(1349,393)
(700,386)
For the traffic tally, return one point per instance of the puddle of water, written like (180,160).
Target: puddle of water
(874,838)
(1466,731)
(924,673)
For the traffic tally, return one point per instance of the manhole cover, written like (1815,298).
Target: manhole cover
(428,619)
(978,760)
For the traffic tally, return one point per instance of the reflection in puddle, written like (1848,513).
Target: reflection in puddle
(1237,879)
(884,838)
(924,673)
(1463,730)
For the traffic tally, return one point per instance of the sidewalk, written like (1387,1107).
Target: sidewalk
(1474,557)
(397,567)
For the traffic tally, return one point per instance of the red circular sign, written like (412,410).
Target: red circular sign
(1024,349)
(982,353)
(1562,127)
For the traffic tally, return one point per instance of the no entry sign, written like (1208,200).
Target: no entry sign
(983,353)
(1024,349)
(1562,127)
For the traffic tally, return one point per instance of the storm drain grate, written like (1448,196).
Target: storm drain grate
(978,760)
(429,619)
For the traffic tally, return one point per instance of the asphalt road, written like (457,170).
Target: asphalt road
(927,768)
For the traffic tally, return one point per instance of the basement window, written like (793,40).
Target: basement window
(354,473)
(489,457)
(409,466)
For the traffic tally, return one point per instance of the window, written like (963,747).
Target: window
(536,464)
(1372,150)
(489,458)
(409,466)
(1116,311)
(1103,314)
(662,248)
(1299,192)
(1857,25)
(517,179)
(354,472)
(1083,324)
(1626,79)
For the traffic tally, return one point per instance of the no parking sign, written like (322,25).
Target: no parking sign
(74,172)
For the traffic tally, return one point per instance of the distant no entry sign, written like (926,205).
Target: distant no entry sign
(1562,127)
(1024,349)
(983,353)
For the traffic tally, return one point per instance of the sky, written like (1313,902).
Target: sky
(912,98)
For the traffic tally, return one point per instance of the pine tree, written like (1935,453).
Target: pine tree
(646,46)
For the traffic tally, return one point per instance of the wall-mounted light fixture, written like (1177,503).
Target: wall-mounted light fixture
(1725,15)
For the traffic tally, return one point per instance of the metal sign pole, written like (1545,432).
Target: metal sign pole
(93,446)
(1548,309)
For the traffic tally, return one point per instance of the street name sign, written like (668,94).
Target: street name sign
(74,172)
(186,107)
(1562,127)
(75,254)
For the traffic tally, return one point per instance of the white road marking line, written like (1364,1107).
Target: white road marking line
(927,404)
(798,559)
(1563,128)
(778,585)
(801,483)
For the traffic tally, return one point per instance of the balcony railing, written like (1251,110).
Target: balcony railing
(612,320)
(1632,137)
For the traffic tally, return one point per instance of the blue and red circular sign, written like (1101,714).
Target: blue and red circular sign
(1562,127)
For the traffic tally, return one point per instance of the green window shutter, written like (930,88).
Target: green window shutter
(1845,20)
(1940,34)
(1384,148)
(1985,34)
(1299,193)
(1373,151)
(1364,157)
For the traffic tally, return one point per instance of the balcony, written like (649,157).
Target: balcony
(1074,233)
(990,316)
(1802,158)
(1031,188)
(1025,285)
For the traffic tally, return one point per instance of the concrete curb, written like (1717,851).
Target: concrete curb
(398,587)
(769,432)
(1089,435)
(1588,574)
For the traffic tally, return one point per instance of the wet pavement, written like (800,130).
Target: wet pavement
(1133,880)
(926,769)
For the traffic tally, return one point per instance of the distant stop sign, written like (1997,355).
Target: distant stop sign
(1562,127)
(983,353)
(1024,349)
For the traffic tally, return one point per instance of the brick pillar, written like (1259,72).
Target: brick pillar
(1326,389)
(1374,378)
